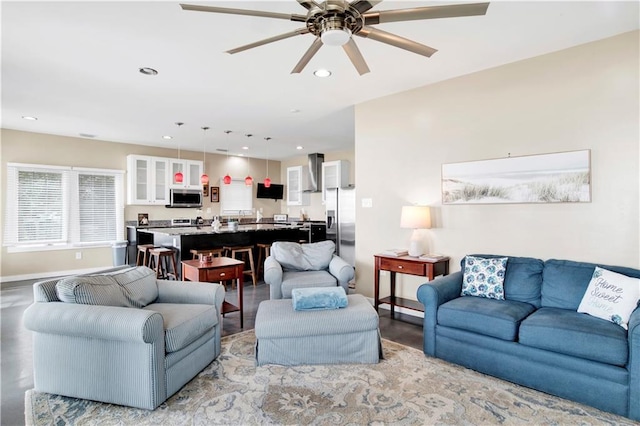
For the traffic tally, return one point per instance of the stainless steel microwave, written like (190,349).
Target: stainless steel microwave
(185,198)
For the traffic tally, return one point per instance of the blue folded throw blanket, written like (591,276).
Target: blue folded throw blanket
(316,298)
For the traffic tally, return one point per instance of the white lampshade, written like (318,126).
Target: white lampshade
(335,37)
(415,217)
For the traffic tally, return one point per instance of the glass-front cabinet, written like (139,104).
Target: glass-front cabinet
(335,174)
(147,180)
(191,171)
(295,186)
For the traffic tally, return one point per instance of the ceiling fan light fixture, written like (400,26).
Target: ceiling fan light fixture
(335,37)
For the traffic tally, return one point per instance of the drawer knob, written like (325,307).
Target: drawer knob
(399,266)
(222,274)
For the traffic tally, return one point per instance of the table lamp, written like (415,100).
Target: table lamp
(415,217)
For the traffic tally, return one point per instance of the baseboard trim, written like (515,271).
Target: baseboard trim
(51,274)
(398,309)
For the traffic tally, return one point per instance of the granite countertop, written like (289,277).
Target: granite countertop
(204,230)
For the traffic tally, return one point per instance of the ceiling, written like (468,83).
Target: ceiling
(74,66)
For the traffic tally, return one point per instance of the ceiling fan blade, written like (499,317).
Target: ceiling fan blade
(363,6)
(356,57)
(429,12)
(397,41)
(261,13)
(309,4)
(299,31)
(317,44)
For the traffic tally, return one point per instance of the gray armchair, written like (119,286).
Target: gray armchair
(122,337)
(293,265)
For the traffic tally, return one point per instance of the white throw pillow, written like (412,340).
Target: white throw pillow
(484,277)
(611,296)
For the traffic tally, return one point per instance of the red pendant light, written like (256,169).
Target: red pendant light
(248,181)
(204,179)
(178,177)
(267,181)
(227,178)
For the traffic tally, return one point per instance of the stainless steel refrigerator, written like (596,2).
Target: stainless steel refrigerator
(341,221)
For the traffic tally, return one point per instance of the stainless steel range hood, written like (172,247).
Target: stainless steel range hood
(315,173)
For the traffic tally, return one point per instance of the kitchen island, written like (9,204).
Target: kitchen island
(185,239)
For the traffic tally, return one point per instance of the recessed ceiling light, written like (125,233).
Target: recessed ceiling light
(294,111)
(298,147)
(28,117)
(148,71)
(167,137)
(245,147)
(322,73)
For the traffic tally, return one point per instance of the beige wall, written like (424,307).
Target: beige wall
(581,98)
(37,148)
(315,210)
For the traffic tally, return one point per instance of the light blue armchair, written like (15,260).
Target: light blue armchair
(122,337)
(293,265)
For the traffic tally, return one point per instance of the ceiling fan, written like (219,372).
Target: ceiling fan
(333,22)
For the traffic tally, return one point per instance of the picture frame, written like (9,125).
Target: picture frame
(562,177)
(205,189)
(215,194)
(143,219)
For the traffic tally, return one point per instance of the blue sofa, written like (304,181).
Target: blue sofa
(536,337)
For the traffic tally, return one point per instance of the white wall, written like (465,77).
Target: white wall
(585,97)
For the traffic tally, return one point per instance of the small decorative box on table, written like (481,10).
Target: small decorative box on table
(405,265)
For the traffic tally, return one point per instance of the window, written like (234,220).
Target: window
(236,198)
(52,207)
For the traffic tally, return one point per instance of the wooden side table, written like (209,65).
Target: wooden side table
(219,269)
(405,265)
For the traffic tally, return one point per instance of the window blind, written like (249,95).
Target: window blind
(62,206)
(236,198)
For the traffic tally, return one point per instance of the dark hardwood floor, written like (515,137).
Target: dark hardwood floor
(16,348)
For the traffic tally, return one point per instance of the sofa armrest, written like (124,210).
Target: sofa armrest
(273,277)
(92,321)
(634,364)
(190,292)
(432,295)
(343,272)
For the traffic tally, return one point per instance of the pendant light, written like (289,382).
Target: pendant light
(227,178)
(204,179)
(179,177)
(267,180)
(248,180)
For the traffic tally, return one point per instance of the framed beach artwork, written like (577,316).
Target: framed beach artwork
(563,177)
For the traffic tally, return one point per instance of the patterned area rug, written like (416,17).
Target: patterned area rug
(406,388)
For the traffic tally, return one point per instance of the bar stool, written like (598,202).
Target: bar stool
(264,251)
(161,258)
(199,253)
(244,251)
(143,258)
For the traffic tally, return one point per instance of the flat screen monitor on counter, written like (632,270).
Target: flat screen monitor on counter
(274,191)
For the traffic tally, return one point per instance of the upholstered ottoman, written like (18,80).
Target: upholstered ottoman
(337,336)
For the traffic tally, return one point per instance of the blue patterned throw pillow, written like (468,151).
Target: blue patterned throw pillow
(484,277)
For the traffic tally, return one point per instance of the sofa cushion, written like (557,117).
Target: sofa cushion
(575,334)
(91,290)
(611,296)
(291,280)
(483,277)
(565,281)
(138,285)
(184,324)
(522,280)
(490,317)
(303,257)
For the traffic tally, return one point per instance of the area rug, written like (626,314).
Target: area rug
(406,388)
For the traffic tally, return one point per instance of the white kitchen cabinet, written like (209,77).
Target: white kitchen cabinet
(335,174)
(191,172)
(147,180)
(297,179)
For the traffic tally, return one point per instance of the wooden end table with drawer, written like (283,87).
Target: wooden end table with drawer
(219,269)
(405,265)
